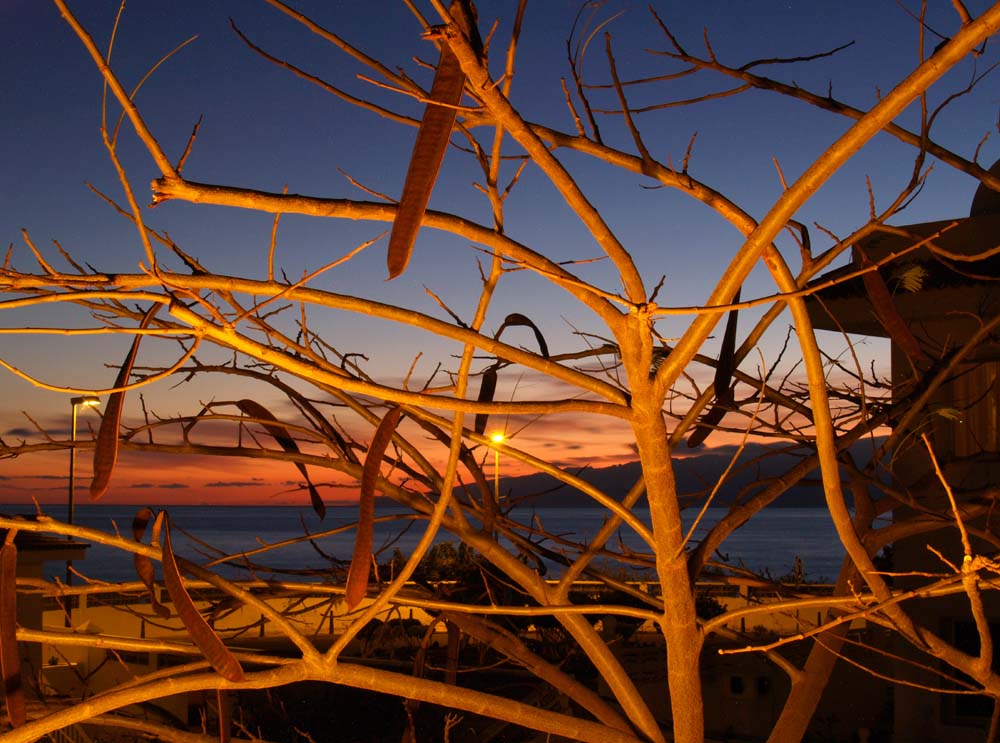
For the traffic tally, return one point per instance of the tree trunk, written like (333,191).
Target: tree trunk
(679,622)
(807,690)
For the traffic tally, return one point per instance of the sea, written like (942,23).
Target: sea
(769,544)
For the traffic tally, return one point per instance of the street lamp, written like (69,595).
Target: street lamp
(87,401)
(497,438)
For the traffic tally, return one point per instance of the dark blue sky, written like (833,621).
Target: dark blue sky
(265,129)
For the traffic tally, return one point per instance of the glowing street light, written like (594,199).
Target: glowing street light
(497,438)
(87,401)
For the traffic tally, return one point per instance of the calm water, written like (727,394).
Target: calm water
(770,542)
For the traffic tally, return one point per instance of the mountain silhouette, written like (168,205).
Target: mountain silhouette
(696,474)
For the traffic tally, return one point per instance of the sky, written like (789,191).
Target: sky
(263,128)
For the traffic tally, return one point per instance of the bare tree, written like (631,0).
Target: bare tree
(389,434)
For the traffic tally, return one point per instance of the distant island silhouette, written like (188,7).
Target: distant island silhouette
(696,473)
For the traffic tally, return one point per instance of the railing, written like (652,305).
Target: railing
(71,734)
(716,588)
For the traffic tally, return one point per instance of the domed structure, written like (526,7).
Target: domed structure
(986,201)
(943,291)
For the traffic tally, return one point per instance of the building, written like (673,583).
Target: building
(943,281)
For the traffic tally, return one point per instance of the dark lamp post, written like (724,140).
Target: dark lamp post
(497,438)
(87,401)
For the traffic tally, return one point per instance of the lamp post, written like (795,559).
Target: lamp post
(87,401)
(497,438)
